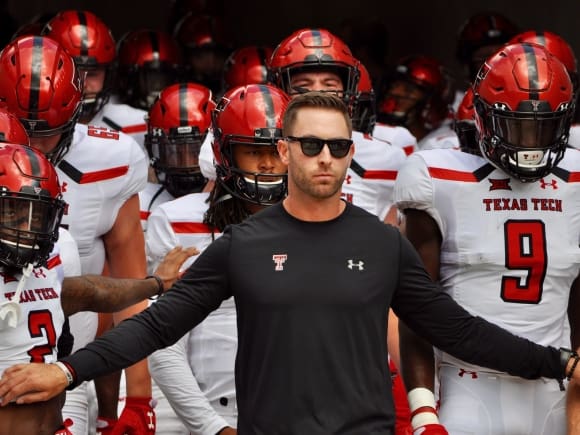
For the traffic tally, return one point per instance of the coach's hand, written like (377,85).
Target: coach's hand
(29,383)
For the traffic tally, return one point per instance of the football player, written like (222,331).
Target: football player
(101,172)
(500,231)
(197,373)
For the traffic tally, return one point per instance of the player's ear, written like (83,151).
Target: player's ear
(283,150)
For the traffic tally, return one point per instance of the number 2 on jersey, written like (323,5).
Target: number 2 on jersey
(40,324)
(525,249)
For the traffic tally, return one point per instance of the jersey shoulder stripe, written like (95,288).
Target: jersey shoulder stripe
(190,227)
(92,177)
(372,174)
(464,176)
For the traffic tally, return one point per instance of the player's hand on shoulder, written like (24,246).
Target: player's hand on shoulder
(169,269)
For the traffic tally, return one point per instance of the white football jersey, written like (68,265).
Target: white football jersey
(69,253)
(125,118)
(41,318)
(574,139)
(396,136)
(210,348)
(177,222)
(369,180)
(510,250)
(150,197)
(100,172)
(442,137)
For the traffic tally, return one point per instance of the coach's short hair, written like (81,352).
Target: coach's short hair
(314,99)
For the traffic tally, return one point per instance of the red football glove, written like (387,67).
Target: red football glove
(105,425)
(64,429)
(138,417)
(431,429)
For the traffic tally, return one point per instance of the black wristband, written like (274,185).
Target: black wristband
(565,355)
(574,364)
(160,287)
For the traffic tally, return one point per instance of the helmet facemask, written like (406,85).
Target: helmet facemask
(175,158)
(29,224)
(92,104)
(527,143)
(254,187)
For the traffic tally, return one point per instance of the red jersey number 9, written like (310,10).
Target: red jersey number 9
(525,249)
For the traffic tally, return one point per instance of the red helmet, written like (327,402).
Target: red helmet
(149,61)
(249,115)
(523,109)
(430,109)
(41,86)
(314,50)
(555,45)
(11,130)
(177,125)
(206,45)
(90,42)
(364,114)
(31,206)
(195,31)
(246,66)
(486,29)
(464,124)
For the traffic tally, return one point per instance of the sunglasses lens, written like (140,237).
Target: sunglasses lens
(339,147)
(311,146)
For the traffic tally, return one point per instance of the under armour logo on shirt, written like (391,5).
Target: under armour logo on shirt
(279,260)
(38,273)
(553,184)
(359,265)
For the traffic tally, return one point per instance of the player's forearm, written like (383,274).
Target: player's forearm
(138,380)
(573,408)
(417,362)
(103,294)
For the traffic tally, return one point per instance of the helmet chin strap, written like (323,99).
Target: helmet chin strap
(10,310)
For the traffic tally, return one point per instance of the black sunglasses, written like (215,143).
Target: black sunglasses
(312,146)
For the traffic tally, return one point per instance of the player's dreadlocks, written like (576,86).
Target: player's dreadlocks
(224,209)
